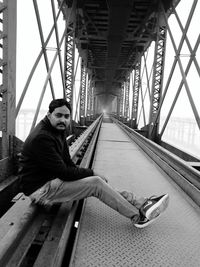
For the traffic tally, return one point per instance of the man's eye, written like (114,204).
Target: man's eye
(67,116)
(58,115)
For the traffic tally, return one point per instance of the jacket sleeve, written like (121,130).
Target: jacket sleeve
(66,155)
(46,155)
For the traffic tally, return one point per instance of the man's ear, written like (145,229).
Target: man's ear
(48,114)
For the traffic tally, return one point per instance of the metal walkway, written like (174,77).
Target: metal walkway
(105,238)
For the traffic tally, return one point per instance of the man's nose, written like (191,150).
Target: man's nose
(62,119)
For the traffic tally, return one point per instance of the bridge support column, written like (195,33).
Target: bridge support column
(8,73)
(69,60)
(90,98)
(118,106)
(121,103)
(126,100)
(95,107)
(136,90)
(157,80)
(92,110)
(83,93)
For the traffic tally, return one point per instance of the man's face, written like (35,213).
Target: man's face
(60,118)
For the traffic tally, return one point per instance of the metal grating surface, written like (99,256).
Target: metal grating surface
(108,239)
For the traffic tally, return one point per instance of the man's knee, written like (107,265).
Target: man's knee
(96,181)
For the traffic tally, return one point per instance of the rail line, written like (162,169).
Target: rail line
(187,177)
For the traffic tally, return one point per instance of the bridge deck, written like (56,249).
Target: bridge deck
(108,239)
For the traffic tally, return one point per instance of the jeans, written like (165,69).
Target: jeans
(57,191)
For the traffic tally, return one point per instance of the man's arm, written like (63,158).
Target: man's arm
(67,159)
(66,155)
(47,157)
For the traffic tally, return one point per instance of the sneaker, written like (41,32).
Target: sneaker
(154,206)
(143,222)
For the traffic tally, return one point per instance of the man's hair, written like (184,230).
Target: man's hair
(56,103)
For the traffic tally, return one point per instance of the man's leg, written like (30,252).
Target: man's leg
(59,191)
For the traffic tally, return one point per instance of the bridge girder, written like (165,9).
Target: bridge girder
(157,81)
(8,13)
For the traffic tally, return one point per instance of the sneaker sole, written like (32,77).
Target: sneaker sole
(145,224)
(158,208)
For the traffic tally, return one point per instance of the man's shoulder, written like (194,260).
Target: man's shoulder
(42,135)
(39,133)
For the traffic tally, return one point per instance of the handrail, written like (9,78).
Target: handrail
(75,147)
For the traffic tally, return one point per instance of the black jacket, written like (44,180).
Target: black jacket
(45,156)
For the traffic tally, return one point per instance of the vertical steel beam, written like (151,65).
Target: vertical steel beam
(95,107)
(8,13)
(83,93)
(92,100)
(90,97)
(89,85)
(118,106)
(69,61)
(157,79)
(121,102)
(136,90)
(126,100)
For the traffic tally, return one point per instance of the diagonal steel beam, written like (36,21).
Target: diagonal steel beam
(180,86)
(182,70)
(187,41)
(57,42)
(35,64)
(143,96)
(49,73)
(175,60)
(46,82)
(43,46)
(147,75)
(145,70)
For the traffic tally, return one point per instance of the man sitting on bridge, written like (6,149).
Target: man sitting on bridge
(48,175)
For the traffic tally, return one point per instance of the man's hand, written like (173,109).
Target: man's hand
(101,176)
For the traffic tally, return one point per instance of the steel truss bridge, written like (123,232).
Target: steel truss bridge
(119,49)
